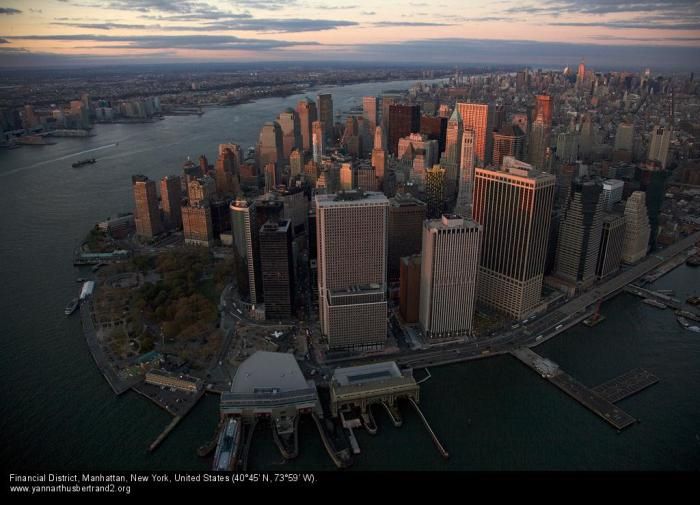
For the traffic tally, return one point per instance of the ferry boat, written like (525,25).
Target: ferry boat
(84,162)
(70,308)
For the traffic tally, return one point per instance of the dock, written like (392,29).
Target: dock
(342,459)
(626,385)
(441,448)
(176,420)
(589,398)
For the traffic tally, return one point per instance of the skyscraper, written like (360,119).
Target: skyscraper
(325,115)
(514,207)
(409,287)
(318,140)
(540,132)
(403,120)
(612,193)
(146,214)
(480,118)
(466,175)
(291,131)
(378,153)
(306,110)
(351,234)
(277,268)
(659,145)
(637,229)
(507,141)
(270,145)
(405,228)
(453,150)
(370,111)
(197,225)
(611,240)
(226,173)
(449,272)
(435,128)
(579,234)
(435,191)
(245,254)
(171,200)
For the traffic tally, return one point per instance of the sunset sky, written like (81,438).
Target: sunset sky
(608,33)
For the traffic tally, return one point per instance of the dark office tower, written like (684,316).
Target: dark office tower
(499,116)
(403,120)
(325,115)
(652,182)
(514,207)
(390,183)
(306,110)
(565,177)
(406,215)
(268,208)
(579,235)
(540,132)
(507,141)
(435,128)
(270,145)
(379,154)
(146,214)
(388,101)
(612,238)
(220,216)
(480,118)
(226,180)
(291,131)
(245,253)
(171,201)
(203,164)
(370,111)
(277,267)
(409,288)
(435,188)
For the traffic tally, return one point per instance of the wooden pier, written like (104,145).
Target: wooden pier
(626,385)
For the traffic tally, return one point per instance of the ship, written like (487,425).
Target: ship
(693,261)
(654,303)
(80,163)
(70,308)
(686,324)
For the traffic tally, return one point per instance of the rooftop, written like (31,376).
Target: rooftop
(362,374)
(268,372)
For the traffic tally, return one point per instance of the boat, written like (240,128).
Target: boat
(693,300)
(687,315)
(654,303)
(80,163)
(80,279)
(693,261)
(686,324)
(70,308)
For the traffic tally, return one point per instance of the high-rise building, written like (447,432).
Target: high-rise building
(405,228)
(379,153)
(624,137)
(507,141)
(146,215)
(514,207)
(226,174)
(197,225)
(435,191)
(352,241)
(403,120)
(543,109)
(581,74)
(277,268)
(579,234)
(245,253)
(171,201)
(270,145)
(611,240)
(659,145)
(419,141)
(387,101)
(370,111)
(409,288)
(449,273)
(612,193)
(325,115)
(318,140)
(637,229)
(480,118)
(306,110)
(435,128)
(539,143)
(291,131)
(466,175)
(296,163)
(200,190)
(567,147)
(346,177)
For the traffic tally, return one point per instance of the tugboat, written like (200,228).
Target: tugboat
(84,162)
(70,308)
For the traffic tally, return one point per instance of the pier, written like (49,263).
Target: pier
(626,385)
(589,398)
(154,445)
(441,448)
(342,458)
(248,430)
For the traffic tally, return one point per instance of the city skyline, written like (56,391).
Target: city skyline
(547,33)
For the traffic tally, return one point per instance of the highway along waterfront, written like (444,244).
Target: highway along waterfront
(491,414)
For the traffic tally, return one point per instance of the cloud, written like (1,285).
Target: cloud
(282,25)
(200,42)
(269,5)
(409,23)
(9,11)
(107,26)
(631,25)
(4,41)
